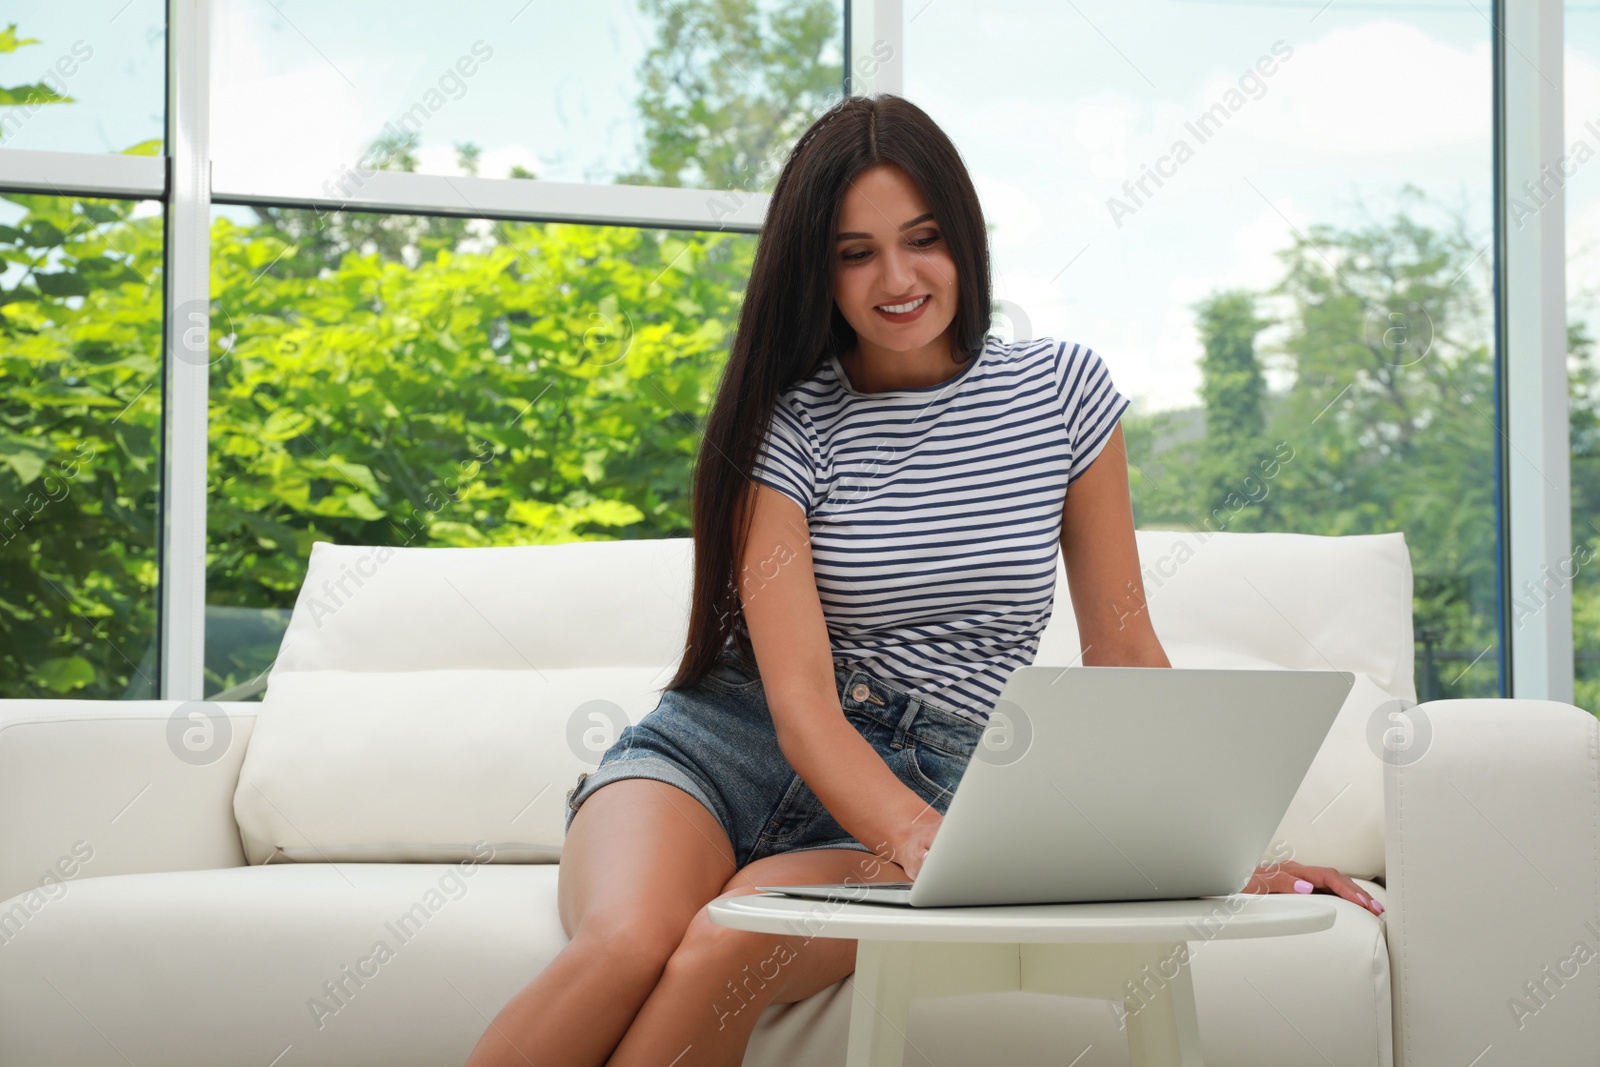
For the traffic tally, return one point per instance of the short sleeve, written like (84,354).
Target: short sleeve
(1090,403)
(786,459)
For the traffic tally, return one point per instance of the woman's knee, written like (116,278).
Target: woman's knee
(638,949)
(706,942)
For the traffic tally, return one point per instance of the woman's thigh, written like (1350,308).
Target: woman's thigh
(640,859)
(811,962)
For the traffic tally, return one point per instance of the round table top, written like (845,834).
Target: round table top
(1123,922)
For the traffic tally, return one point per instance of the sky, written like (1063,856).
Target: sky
(1053,106)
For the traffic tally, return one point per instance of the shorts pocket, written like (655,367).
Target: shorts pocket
(799,810)
(935,772)
(730,676)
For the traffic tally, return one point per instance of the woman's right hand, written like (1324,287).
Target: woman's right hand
(911,846)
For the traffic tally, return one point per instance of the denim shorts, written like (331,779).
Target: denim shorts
(716,741)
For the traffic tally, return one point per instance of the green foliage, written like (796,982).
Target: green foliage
(9,42)
(725,92)
(1231,392)
(545,387)
(31,95)
(80,337)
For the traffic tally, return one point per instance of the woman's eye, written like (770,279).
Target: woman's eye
(924,242)
(851,257)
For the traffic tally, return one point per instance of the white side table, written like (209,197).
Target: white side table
(1133,951)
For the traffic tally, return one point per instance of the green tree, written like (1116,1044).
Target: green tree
(726,89)
(1231,394)
(1387,425)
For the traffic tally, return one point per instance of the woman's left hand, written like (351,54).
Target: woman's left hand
(1288,876)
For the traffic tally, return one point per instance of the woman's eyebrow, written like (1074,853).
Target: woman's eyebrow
(924,217)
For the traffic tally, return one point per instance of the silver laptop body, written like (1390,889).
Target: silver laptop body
(1119,783)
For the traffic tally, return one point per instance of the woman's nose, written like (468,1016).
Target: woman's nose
(898,273)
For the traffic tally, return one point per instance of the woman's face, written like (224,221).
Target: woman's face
(890,253)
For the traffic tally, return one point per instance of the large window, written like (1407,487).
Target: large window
(415,275)
(1284,264)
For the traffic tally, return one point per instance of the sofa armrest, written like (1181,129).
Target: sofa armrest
(98,787)
(1492,838)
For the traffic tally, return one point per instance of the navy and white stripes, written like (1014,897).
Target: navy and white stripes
(935,513)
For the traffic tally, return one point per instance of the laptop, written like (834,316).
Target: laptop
(1119,783)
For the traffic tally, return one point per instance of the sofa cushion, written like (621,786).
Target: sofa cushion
(416,767)
(404,965)
(428,698)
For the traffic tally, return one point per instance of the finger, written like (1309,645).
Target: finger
(1283,881)
(1351,890)
(1340,884)
(1268,876)
(1265,872)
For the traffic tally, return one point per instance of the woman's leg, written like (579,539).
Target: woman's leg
(720,980)
(640,859)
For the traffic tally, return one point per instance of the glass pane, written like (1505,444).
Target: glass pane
(87,76)
(661,92)
(1582,188)
(537,384)
(1286,267)
(80,436)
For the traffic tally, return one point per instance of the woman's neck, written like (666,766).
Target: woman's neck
(881,370)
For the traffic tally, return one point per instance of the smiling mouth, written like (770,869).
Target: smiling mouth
(901,309)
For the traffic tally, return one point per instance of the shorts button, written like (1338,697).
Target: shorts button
(860,692)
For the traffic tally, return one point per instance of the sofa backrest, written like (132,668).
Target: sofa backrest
(526,607)
(1298,601)
(426,701)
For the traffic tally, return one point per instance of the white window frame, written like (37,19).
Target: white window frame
(1533,460)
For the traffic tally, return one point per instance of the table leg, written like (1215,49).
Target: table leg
(1164,1031)
(1152,981)
(891,974)
(880,999)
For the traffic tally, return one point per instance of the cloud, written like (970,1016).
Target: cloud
(1104,127)
(1383,88)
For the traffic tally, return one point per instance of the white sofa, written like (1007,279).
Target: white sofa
(199,885)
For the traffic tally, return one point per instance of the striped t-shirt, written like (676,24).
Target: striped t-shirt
(935,513)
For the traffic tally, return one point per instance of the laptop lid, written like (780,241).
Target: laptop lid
(1128,783)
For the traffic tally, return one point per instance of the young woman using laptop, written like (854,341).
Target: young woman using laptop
(878,501)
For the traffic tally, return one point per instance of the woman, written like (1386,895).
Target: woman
(888,485)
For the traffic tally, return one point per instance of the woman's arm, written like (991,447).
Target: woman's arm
(1102,561)
(778,590)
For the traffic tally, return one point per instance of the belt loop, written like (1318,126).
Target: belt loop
(913,706)
(744,645)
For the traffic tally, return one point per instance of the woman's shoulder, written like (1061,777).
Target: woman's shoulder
(1035,350)
(1065,353)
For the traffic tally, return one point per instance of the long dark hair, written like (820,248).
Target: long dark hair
(789,324)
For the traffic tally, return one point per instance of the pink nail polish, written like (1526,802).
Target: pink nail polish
(1302,886)
(1377,906)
